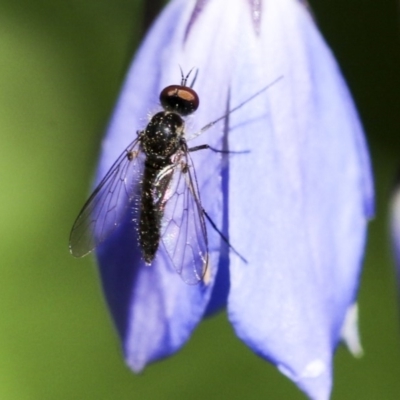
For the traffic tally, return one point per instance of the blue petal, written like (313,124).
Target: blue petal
(299,204)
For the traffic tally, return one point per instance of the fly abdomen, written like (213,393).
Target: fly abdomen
(151,213)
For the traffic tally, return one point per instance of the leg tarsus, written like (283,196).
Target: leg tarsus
(207,146)
(223,237)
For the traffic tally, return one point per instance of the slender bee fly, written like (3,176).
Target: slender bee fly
(156,179)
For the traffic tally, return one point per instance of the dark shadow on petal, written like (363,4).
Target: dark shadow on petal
(256,11)
(220,292)
(198,8)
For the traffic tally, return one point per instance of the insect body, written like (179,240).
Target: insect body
(155,176)
(161,140)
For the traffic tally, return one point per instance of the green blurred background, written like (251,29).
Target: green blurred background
(61,66)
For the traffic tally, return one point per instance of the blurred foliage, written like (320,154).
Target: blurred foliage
(61,66)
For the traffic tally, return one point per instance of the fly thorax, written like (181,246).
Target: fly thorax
(162,135)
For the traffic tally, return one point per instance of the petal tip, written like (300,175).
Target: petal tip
(350,334)
(314,379)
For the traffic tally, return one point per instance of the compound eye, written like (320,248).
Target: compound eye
(180,99)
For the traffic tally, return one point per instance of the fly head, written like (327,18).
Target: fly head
(180,99)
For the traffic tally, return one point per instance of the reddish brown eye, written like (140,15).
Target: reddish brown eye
(180,99)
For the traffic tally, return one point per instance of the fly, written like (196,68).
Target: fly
(156,179)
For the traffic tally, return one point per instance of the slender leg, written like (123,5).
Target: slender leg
(207,146)
(223,237)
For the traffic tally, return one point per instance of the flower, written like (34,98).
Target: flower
(395,222)
(296,206)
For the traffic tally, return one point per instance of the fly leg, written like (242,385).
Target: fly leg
(207,146)
(209,219)
(223,237)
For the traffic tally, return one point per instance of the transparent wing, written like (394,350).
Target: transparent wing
(183,230)
(105,208)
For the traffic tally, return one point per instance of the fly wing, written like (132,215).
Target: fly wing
(183,231)
(106,207)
